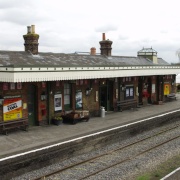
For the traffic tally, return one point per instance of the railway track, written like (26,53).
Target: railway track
(115,157)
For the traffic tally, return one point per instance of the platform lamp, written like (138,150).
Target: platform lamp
(123,87)
(89,89)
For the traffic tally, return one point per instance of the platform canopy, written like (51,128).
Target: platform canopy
(10,74)
(20,66)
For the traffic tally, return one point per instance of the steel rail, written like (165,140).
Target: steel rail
(110,152)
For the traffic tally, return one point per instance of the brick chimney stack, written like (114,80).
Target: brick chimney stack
(105,46)
(93,51)
(31,40)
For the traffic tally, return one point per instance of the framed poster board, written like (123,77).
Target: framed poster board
(78,99)
(12,108)
(57,102)
(153,88)
(166,89)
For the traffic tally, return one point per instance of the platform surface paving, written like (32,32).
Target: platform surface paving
(39,136)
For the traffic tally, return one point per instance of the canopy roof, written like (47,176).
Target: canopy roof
(18,66)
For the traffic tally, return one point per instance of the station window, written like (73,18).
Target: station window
(129,92)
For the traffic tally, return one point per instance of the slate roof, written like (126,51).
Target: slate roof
(25,59)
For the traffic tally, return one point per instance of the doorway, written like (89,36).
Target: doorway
(103,96)
(140,87)
(106,96)
(32,105)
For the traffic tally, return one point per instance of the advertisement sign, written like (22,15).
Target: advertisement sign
(12,108)
(153,88)
(166,89)
(78,99)
(127,92)
(58,102)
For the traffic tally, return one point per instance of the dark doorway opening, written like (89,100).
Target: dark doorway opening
(32,105)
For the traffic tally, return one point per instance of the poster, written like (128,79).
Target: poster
(78,99)
(153,88)
(12,108)
(127,92)
(131,91)
(166,89)
(57,102)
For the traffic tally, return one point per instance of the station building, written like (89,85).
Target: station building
(39,86)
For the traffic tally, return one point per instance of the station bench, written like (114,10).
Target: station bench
(171,96)
(76,116)
(127,104)
(22,123)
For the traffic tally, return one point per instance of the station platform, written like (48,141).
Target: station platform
(39,136)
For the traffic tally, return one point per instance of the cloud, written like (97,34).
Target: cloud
(122,37)
(8,4)
(22,16)
(163,31)
(69,26)
(106,28)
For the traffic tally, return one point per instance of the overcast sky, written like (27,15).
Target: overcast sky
(67,26)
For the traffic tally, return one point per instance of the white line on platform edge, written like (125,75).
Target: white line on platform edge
(82,137)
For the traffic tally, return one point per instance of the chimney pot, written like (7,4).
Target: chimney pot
(93,51)
(28,29)
(103,36)
(33,29)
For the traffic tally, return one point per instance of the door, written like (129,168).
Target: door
(103,96)
(140,87)
(32,105)
(110,96)
(106,96)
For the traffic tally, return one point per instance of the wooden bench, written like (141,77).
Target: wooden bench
(127,104)
(171,96)
(76,116)
(22,123)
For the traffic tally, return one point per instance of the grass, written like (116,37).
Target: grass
(161,170)
(144,177)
